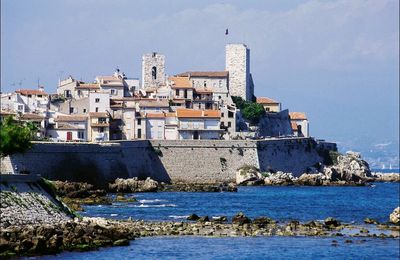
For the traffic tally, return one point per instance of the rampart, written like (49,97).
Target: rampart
(197,161)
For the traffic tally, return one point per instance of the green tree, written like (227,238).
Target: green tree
(15,137)
(253,112)
(250,110)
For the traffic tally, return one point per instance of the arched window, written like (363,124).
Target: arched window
(154,73)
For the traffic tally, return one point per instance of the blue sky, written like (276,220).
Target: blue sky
(336,60)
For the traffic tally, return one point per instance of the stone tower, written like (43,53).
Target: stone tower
(153,70)
(238,66)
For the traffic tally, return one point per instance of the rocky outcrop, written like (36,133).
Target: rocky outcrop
(349,169)
(134,185)
(74,194)
(385,177)
(249,175)
(395,216)
(199,187)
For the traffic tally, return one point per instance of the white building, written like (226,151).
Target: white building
(199,124)
(69,128)
(300,119)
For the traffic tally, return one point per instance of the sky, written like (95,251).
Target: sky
(338,61)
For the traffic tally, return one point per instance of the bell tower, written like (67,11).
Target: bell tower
(153,70)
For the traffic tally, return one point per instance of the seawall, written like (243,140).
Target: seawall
(197,161)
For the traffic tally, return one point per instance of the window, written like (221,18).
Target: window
(177,92)
(230,114)
(154,73)
(71,110)
(220,83)
(97,100)
(205,83)
(229,124)
(9,98)
(185,94)
(267,109)
(219,97)
(102,120)
(97,109)
(20,107)
(139,121)
(139,133)
(84,110)
(101,129)
(29,95)
(113,92)
(81,135)
(79,92)
(222,114)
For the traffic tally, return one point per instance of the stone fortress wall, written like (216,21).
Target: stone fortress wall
(196,161)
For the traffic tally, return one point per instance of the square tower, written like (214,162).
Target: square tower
(153,70)
(238,65)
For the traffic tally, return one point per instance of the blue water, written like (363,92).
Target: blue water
(245,248)
(281,203)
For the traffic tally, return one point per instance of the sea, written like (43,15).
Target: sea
(348,204)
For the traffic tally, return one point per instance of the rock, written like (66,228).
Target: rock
(203,219)
(134,185)
(311,179)
(193,217)
(240,219)
(395,216)
(352,168)
(249,175)
(331,222)
(263,221)
(385,177)
(370,221)
(121,242)
(279,178)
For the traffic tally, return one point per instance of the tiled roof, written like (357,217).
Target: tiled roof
(155,115)
(266,100)
(98,114)
(205,74)
(204,90)
(156,103)
(294,126)
(181,82)
(88,86)
(31,92)
(71,118)
(32,117)
(297,116)
(66,126)
(7,113)
(191,113)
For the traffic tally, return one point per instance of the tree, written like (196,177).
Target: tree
(250,110)
(253,112)
(15,137)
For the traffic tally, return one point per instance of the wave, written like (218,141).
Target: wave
(178,217)
(114,215)
(154,206)
(150,201)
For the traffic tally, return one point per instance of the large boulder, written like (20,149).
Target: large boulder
(241,219)
(249,175)
(314,179)
(351,167)
(134,185)
(395,216)
(279,178)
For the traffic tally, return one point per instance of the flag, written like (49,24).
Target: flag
(226,32)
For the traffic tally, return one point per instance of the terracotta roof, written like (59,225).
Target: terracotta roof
(71,118)
(294,126)
(191,113)
(297,116)
(178,101)
(156,103)
(207,74)
(265,100)
(155,115)
(181,82)
(32,117)
(204,90)
(31,92)
(88,86)
(7,113)
(66,126)
(98,114)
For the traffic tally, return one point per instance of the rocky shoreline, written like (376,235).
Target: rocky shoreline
(92,233)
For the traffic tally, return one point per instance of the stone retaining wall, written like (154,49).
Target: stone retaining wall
(197,161)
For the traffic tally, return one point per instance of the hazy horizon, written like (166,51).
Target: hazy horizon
(337,61)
